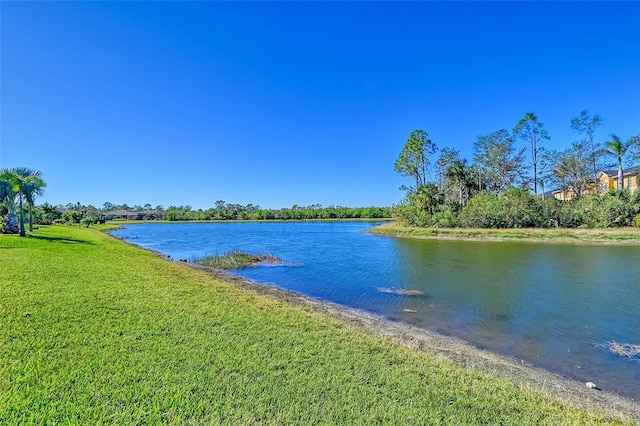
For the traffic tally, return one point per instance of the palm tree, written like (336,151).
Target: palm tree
(8,193)
(29,184)
(618,149)
(429,197)
(32,188)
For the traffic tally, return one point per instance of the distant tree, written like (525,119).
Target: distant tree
(430,197)
(586,124)
(530,130)
(108,206)
(173,214)
(458,172)
(634,148)
(545,167)
(571,169)
(447,157)
(49,212)
(475,184)
(499,162)
(617,148)
(414,159)
(33,187)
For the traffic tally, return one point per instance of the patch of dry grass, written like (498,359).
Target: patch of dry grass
(614,235)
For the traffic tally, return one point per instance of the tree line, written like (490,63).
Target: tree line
(227,211)
(20,186)
(515,168)
(88,214)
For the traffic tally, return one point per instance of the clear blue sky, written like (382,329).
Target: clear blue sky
(292,103)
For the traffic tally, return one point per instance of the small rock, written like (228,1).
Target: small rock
(591,385)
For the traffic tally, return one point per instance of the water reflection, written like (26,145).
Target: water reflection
(549,304)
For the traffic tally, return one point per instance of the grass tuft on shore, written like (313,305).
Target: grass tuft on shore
(235,260)
(95,331)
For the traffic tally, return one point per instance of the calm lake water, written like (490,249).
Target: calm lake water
(549,304)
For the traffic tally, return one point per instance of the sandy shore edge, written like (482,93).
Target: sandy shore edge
(456,351)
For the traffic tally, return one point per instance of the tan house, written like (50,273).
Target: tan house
(607,180)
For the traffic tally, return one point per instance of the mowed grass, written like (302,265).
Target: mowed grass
(95,331)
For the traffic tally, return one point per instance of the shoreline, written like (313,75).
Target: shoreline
(456,351)
(618,236)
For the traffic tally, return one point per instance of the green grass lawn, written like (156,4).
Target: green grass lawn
(93,330)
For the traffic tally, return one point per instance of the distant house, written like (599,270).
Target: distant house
(129,215)
(152,214)
(630,178)
(607,180)
(567,194)
(121,214)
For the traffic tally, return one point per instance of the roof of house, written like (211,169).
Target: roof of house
(614,172)
(121,213)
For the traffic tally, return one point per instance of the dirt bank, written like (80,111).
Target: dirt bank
(456,351)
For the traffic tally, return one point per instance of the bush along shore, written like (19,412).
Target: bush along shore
(93,330)
(517,208)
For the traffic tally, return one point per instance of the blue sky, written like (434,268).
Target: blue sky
(293,103)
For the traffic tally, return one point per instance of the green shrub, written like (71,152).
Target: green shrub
(445,219)
(636,221)
(88,221)
(515,208)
